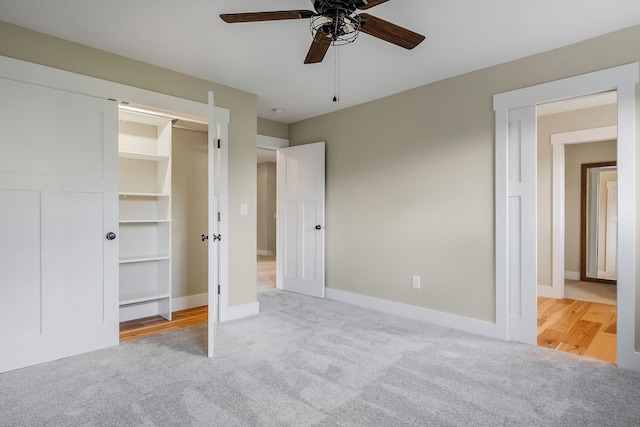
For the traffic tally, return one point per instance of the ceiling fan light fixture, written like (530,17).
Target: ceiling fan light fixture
(341,27)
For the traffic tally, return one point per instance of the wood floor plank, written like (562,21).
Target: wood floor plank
(544,304)
(601,313)
(553,315)
(570,316)
(147,326)
(582,334)
(603,347)
(549,338)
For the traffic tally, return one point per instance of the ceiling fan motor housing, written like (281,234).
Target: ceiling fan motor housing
(337,20)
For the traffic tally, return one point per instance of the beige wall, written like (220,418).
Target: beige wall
(575,156)
(189,213)
(20,43)
(410,180)
(267,207)
(547,125)
(274,129)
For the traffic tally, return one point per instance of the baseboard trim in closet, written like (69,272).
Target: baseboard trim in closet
(190,301)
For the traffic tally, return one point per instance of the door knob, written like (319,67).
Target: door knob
(318,227)
(110,235)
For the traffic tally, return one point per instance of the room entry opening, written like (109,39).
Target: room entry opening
(516,240)
(566,304)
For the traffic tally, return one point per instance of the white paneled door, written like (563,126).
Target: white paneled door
(58,204)
(301,191)
(522,276)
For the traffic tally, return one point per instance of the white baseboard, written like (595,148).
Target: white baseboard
(467,324)
(239,311)
(549,292)
(190,301)
(572,275)
(265,252)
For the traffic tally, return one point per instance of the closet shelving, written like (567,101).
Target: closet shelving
(145,215)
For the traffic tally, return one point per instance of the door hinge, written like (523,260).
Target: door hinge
(218,216)
(218,289)
(218,142)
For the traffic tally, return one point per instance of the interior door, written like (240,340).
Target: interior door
(522,275)
(301,193)
(58,204)
(214,235)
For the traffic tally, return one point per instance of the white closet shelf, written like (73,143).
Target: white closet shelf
(143,297)
(130,194)
(143,156)
(143,259)
(143,221)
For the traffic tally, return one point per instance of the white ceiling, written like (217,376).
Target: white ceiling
(266,58)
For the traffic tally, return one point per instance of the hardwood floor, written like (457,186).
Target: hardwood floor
(579,327)
(139,328)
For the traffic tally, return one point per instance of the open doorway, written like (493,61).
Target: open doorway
(266,219)
(577,313)
(516,216)
(187,217)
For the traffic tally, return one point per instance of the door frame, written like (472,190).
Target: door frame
(272,143)
(558,143)
(175,107)
(623,79)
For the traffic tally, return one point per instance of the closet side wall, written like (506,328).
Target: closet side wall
(189,213)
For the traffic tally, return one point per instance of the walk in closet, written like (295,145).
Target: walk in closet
(144,215)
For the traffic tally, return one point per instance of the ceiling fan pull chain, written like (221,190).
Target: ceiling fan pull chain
(336,73)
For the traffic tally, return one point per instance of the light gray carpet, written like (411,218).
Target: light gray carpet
(305,362)
(603,293)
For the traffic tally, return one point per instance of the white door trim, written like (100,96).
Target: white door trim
(624,79)
(27,72)
(270,142)
(558,142)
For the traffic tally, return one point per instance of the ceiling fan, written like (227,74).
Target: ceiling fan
(336,22)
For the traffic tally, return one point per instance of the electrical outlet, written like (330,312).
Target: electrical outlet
(416,282)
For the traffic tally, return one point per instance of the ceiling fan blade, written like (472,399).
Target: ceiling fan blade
(364,4)
(318,48)
(233,18)
(389,32)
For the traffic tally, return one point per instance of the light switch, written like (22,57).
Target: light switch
(244,209)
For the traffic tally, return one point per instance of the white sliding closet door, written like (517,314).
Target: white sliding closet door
(522,276)
(58,202)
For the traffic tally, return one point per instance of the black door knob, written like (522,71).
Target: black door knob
(318,227)
(110,235)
